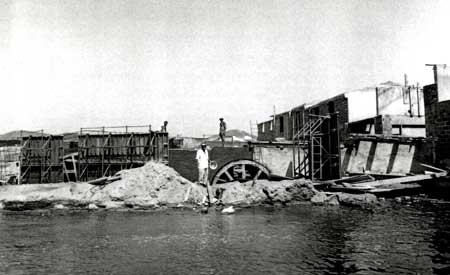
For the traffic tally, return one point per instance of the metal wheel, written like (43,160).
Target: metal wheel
(241,170)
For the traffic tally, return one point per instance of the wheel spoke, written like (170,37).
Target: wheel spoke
(257,175)
(229,176)
(244,174)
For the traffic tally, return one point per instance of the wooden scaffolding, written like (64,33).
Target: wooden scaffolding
(41,159)
(317,148)
(103,151)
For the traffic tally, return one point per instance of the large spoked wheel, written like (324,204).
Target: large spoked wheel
(241,170)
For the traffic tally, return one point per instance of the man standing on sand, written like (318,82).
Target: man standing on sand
(203,165)
(222,131)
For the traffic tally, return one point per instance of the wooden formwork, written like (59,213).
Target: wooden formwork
(41,159)
(105,151)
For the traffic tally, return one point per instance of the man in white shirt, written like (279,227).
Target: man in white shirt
(203,165)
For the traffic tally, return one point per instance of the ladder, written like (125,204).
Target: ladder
(308,150)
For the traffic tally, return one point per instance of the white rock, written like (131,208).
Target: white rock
(59,206)
(319,198)
(112,204)
(228,210)
(92,206)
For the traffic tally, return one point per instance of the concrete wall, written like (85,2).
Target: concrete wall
(277,159)
(361,104)
(385,157)
(442,79)
(390,126)
(400,100)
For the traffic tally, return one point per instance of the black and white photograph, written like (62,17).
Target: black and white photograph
(224,137)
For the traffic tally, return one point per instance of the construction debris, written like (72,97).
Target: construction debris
(367,183)
(105,180)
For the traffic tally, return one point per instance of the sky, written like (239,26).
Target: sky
(69,64)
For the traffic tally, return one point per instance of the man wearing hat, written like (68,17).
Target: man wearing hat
(222,131)
(203,165)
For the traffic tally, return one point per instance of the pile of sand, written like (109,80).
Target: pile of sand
(153,184)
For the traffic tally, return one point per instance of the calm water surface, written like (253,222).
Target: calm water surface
(411,239)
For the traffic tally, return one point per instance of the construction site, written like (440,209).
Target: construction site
(398,139)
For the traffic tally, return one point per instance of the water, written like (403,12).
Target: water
(411,239)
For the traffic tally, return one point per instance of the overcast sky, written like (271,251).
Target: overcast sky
(68,64)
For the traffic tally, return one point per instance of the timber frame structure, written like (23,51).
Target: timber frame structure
(103,151)
(317,148)
(41,159)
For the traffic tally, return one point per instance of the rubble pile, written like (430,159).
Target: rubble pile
(264,191)
(151,185)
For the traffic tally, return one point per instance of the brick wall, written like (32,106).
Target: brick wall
(336,104)
(297,118)
(264,132)
(437,123)
(283,126)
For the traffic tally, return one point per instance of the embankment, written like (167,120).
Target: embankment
(155,185)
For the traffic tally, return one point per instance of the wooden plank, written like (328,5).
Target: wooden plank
(395,187)
(355,179)
(409,179)
(432,167)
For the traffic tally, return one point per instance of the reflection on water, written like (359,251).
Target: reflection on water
(299,240)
